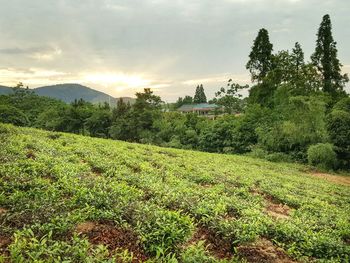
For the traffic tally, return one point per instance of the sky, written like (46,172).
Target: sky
(171,46)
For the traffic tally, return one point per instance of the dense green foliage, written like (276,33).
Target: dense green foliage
(52,184)
(322,155)
(339,130)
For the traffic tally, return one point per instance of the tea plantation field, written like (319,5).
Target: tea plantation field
(69,198)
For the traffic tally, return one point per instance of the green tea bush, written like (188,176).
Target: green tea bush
(272,157)
(322,156)
(27,247)
(258,153)
(160,194)
(197,253)
(6,129)
(278,157)
(162,230)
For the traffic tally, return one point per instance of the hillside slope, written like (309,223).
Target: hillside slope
(69,197)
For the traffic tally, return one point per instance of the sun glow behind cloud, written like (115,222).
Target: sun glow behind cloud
(113,83)
(118,80)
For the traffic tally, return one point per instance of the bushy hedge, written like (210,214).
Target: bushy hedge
(322,156)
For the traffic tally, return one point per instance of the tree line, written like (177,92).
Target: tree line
(296,110)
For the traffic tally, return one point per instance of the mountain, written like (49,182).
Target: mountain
(70,92)
(5,90)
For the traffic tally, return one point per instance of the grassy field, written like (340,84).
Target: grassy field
(78,199)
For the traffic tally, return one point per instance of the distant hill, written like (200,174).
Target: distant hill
(5,90)
(69,92)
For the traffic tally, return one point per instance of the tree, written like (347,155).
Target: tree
(182,101)
(338,125)
(99,122)
(297,57)
(230,98)
(121,110)
(187,100)
(54,118)
(77,114)
(199,96)
(10,114)
(289,72)
(260,58)
(294,126)
(146,110)
(179,103)
(218,136)
(326,61)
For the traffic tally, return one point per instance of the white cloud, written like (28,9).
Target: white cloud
(241,79)
(47,55)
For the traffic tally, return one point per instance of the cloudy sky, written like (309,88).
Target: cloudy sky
(120,47)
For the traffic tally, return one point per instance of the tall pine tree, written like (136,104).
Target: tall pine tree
(297,57)
(260,58)
(199,96)
(326,61)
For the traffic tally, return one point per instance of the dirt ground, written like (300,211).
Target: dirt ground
(263,251)
(338,179)
(217,246)
(113,237)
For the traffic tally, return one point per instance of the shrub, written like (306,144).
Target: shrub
(9,114)
(343,104)
(338,124)
(322,156)
(278,157)
(258,153)
(161,230)
(197,253)
(27,247)
(7,129)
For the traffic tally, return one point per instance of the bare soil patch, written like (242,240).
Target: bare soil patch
(2,210)
(277,210)
(263,251)
(5,241)
(85,227)
(273,207)
(338,179)
(96,171)
(217,246)
(31,155)
(113,237)
(205,185)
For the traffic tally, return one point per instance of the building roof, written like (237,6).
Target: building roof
(198,107)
